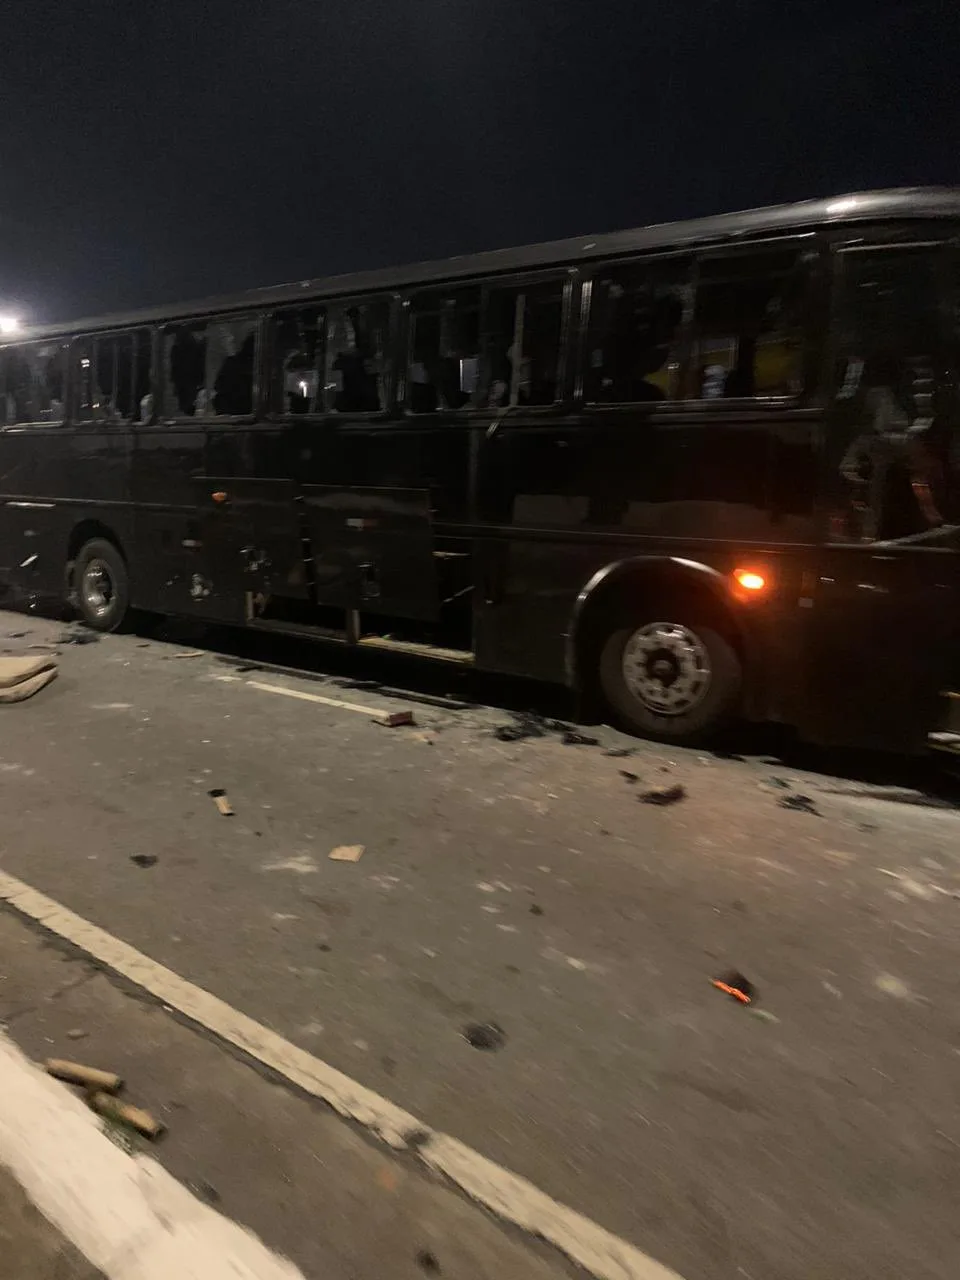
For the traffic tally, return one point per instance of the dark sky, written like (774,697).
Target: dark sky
(161,150)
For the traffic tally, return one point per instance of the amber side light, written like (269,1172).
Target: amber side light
(749,579)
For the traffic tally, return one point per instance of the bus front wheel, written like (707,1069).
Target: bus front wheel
(676,679)
(102,585)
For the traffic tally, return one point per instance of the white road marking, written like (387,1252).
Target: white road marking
(376,712)
(598,1251)
(125,1214)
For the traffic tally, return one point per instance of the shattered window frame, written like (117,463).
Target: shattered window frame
(377,370)
(521,287)
(673,272)
(453,303)
(54,349)
(89,347)
(277,369)
(205,387)
(793,285)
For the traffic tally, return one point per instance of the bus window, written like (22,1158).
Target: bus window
(747,338)
(111,377)
(32,383)
(209,368)
(358,337)
(636,315)
(521,344)
(886,441)
(444,350)
(296,378)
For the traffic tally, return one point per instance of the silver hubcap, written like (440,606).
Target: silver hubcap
(667,668)
(97,588)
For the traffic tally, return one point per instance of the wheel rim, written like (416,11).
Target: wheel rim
(667,668)
(97,588)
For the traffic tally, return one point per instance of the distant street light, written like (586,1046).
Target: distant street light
(9,324)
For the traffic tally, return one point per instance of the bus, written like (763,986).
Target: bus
(700,470)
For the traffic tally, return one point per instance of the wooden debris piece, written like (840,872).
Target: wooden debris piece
(134,1117)
(347,853)
(77,1073)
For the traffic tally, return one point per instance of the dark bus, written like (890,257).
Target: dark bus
(701,470)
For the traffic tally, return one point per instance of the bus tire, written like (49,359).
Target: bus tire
(101,585)
(671,677)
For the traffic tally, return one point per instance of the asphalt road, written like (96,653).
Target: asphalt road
(814,1133)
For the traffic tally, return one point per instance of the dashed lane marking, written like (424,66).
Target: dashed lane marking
(316,697)
(510,1197)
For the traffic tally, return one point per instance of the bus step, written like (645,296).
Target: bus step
(308,630)
(414,647)
(945,741)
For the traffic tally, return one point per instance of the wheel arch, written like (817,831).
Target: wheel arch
(615,584)
(85,531)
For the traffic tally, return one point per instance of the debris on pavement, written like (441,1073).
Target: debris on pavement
(144,860)
(536,909)
(77,1033)
(133,1117)
(77,1073)
(663,795)
(219,798)
(347,853)
(188,653)
(801,804)
(630,777)
(736,986)
(620,753)
(574,739)
(524,726)
(22,677)
(394,719)
(78,635)
(487,1036)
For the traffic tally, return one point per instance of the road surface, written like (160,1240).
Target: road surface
(522,896)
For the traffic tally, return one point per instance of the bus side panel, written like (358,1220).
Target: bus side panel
(56,481)
(167,459)
(882,644)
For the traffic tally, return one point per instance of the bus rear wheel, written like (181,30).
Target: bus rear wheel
(102,585)
(676,680)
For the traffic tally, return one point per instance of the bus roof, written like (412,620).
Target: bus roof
(891,205)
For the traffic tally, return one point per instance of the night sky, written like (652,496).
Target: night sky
(157,151)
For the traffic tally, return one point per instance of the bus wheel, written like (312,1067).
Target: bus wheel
(102,585)
(678,681)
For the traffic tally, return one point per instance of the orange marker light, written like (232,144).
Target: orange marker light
(750,580)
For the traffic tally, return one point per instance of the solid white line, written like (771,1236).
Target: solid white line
(130,1218)
(316,697)
(593,1248)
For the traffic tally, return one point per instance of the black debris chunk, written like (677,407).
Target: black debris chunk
(572,738)
(78,636)
(782,783)
(801,804)
(144,860)
(620,753)
(487,1036)
(427,1261)
(630,777)
(663,795)
(536,909)
(206,1192)
(524,726)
